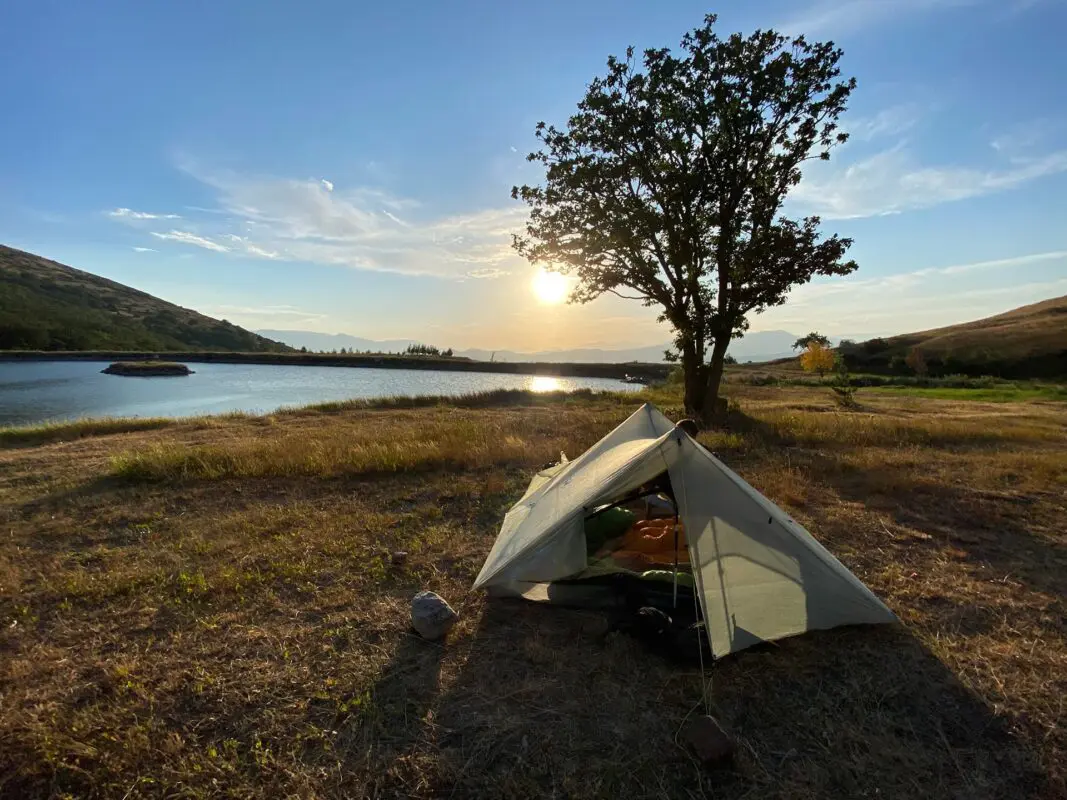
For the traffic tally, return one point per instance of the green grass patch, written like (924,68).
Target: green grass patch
(496,398)
(1000,394)
(25,435)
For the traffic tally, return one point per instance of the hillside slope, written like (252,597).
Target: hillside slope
(1026,342)
(45,305)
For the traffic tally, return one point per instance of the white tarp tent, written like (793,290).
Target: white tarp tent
(758,574)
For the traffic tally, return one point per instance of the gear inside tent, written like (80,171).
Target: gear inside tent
(648,509)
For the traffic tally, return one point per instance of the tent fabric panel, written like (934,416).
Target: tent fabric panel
(542,516)
(793,527)
(758,579)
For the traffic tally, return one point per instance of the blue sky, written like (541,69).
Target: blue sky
(345,166)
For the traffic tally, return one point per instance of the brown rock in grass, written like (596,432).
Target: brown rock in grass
(712,744)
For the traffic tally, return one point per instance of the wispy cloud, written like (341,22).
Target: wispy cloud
(255,250)
(395,218)
(891,121)
(1025,138)
(128,213)
(815,291)
(893,181)
(185,237)
(265,311)
(145,250)
(360,227)
(840,17)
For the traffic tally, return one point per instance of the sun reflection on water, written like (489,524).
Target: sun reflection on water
(544,383)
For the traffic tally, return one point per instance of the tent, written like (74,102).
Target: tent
(757,574)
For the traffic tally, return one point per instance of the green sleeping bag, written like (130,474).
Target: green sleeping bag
(606,526)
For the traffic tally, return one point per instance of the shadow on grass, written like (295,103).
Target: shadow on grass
(996,529)
(987,528)
(386,731)
(543,705)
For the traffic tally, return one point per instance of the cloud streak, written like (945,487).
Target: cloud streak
(891,121)
(839,17)
(364,228)
(185,237)
(893,181)
(130,214)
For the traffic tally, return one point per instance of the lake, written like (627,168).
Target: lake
(41,391)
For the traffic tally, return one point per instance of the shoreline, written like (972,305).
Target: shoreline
(64,428)
(646,372)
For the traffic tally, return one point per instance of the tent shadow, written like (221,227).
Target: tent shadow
(545,704)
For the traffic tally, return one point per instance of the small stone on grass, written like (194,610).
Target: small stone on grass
(431,616)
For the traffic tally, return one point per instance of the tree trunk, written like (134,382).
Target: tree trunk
(695,381)
(714,408)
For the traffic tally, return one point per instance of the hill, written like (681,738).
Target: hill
(45,305)
(1026,342)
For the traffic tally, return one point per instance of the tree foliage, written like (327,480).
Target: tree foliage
(817,359)
(814,336)
(428,350)
(916,361)
(667,183)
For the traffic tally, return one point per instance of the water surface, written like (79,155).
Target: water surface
(41,391)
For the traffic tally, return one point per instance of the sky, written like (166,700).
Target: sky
(346,166)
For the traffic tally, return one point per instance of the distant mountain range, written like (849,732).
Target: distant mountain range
(45,305)
(757,346)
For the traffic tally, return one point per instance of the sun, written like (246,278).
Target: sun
(550,287)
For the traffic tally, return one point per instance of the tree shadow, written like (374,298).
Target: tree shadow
(545,704)
(383,731)
(990,528)
(985,528)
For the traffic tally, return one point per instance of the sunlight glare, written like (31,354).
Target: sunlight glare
(544,383)
(550,287)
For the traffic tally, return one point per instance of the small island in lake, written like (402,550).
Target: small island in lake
(146,369)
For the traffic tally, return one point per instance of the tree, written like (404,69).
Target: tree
(817,359)
(814,336)
(666,186)
(916,361)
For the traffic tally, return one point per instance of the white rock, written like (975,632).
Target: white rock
(431,616)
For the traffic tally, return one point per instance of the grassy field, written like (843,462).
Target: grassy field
(207,608)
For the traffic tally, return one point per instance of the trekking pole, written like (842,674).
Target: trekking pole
(676,559)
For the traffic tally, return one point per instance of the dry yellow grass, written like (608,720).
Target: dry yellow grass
(208,609)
